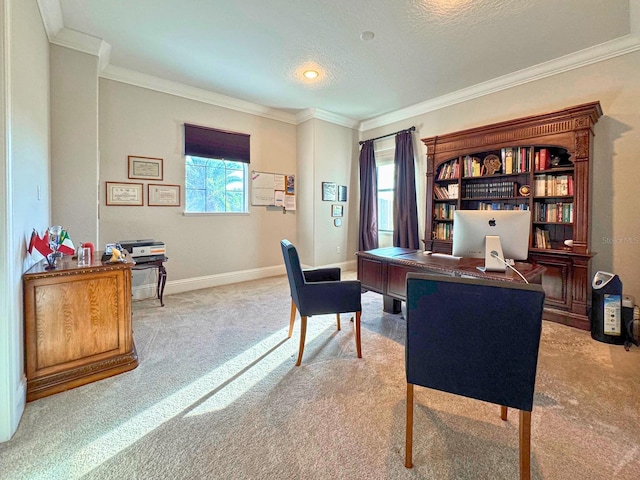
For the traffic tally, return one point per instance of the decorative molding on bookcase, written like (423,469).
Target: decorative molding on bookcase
(581,117)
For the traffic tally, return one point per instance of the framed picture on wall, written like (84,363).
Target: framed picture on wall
(336,210)
(342,193)
(329,191)
(163,195)
(145,168)
(125,194)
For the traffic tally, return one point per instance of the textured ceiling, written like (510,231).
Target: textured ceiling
(255,50)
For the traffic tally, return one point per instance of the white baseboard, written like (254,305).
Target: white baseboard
(197,283)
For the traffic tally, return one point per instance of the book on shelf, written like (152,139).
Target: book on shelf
(449,170)
(553,185)
(507,160)
(543,160)
(542,238)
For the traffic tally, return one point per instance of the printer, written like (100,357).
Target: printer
(148,249)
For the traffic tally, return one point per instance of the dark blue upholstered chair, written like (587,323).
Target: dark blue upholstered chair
(474,338)
(319,291)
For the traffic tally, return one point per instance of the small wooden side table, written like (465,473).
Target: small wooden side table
(143,263)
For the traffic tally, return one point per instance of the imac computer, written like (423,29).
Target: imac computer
(495,235)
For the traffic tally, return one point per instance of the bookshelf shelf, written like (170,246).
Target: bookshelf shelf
(548,157)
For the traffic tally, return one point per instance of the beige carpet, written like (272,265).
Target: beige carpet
(216,395)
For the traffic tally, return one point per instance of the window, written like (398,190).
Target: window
(215,185)
(216,170)
(385,175)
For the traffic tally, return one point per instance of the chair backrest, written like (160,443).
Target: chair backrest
(294,270)
(474,337)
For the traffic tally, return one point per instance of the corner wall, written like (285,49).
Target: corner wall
(24,184)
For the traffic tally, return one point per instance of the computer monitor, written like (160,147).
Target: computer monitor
(490,233)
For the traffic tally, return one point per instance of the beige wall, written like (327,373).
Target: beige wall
(305,241)
(615,226)
(142,122)
(74,143)
(24,171)
(326,153)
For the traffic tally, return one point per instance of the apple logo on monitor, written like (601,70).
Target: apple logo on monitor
(492,222)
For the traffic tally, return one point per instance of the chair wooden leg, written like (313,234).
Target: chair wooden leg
(292,318)
(503,412)
(358,342)
(409,428)
(303,333)
(338,320)
(525,444)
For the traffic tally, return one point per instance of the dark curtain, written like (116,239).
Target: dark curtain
(405,209)
(368,233)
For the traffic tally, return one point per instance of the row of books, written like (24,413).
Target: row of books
(449,170)
(442,193)
(472,167)
(516,160)
(553,185)
(542,238)
(502,206)
(444,211)
(443,231)
(504,189)
(553,212)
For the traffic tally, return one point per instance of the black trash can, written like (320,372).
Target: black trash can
(607,324)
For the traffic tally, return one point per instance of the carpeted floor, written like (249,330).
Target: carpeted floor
(217,395)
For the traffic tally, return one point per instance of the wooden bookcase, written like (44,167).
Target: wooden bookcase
(551,155)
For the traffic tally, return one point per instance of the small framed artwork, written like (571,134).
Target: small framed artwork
(336,210)
(125,194)
(342,193)
(145,168)
(163,195)
(337,222)
(328,192)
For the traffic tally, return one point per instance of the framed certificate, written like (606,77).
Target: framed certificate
(163,195)
(145,168)
(124,194)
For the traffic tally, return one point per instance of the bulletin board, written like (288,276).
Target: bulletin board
(273,189)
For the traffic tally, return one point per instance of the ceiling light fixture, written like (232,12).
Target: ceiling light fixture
(310,74)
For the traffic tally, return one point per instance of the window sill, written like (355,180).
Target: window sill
(213,214)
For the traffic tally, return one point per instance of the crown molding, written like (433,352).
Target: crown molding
(327,116)
(158,84)
(51,14)
(588,56)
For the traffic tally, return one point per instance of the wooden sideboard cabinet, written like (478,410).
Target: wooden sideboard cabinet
(77,324)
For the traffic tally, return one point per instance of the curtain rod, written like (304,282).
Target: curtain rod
(388,135)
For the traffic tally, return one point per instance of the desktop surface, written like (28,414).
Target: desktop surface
(384,270)
(463,266)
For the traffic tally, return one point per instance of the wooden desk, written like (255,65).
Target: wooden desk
(143,263)
(384,270)
(77,323)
